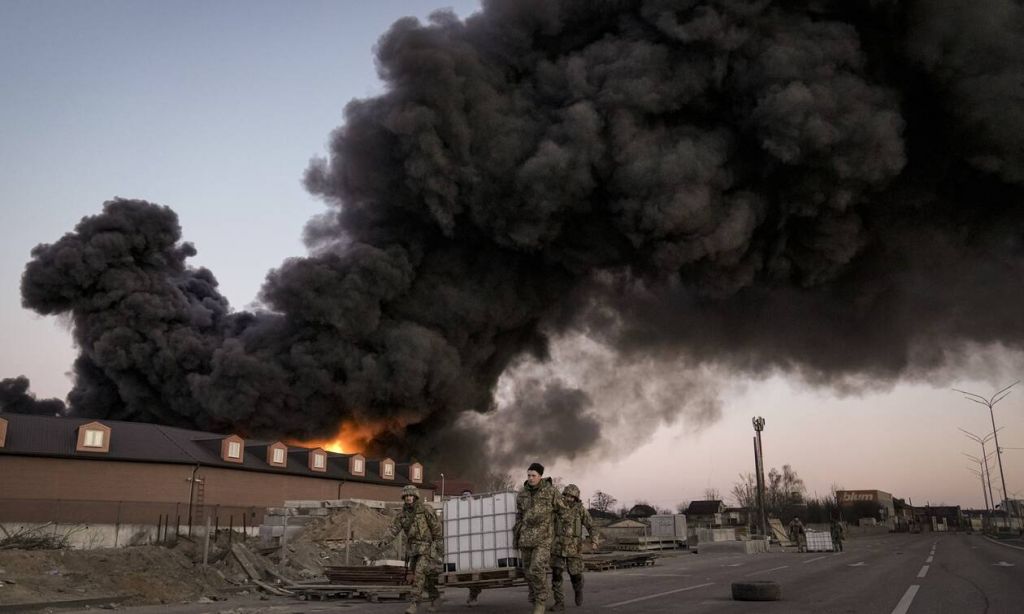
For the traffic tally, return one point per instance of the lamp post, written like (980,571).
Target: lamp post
(981,473)
(759,470)
(984,455)
(989,403)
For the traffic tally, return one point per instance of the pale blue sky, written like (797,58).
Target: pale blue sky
(215,108)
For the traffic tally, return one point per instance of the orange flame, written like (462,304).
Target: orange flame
(351,438)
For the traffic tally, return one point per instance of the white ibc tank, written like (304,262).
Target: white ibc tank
(478,532)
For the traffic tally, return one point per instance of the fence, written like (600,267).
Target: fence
(104,524)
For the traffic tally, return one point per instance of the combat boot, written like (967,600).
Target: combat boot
(558,607)
(435,604)
(411,609)
(538,608)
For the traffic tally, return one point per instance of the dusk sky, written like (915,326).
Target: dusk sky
(215,110)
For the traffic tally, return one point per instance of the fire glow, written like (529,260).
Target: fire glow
(351,438)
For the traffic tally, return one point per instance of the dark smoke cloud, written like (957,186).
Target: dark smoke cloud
(828,188)
(16,399)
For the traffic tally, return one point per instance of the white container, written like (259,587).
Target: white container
(668,525)
(478,532)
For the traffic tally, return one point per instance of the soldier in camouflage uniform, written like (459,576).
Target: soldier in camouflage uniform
(567,552)
(537,505)
(422,531)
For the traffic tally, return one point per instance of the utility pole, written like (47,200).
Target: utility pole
(759,470)
(985,456)
(989,403)
(981,476)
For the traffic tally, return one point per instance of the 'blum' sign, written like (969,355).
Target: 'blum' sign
(856,496)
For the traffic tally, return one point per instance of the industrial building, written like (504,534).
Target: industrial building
(77,470)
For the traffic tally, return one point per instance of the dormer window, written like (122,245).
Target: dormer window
(231,449)
(93,437)
(277,454)
(387,469)
(357,465)
(416,473)
(318,460)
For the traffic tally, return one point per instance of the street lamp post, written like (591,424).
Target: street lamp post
(759,469)
(985,455)
(989,403)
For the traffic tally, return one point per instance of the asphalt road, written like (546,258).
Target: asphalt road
(890,574)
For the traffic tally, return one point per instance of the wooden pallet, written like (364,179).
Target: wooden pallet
(605,563)
(373,575)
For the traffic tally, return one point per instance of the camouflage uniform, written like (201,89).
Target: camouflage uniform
(837,535)
(536,508)
(567,552)
(423,535)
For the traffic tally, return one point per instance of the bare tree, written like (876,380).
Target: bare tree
(784,487)
(497,482)
(602,501)
(712,494)
(744,492)
(682,506)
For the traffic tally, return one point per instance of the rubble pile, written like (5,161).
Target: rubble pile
(318,536)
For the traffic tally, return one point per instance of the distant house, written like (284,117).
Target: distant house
(706,513)
(624,529)
(736,516)
(603,515)
(641,510)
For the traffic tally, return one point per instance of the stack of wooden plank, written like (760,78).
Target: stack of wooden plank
(602,562)
(650,543)
(383,575)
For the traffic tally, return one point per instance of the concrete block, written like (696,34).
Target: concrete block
(279,521)
(300,503)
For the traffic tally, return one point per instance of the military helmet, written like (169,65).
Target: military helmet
(572,490)
(409,489)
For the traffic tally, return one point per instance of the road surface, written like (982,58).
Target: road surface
(889,574)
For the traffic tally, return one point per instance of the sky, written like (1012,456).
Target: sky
(215,109)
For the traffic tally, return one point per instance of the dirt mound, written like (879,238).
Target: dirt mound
(134,575)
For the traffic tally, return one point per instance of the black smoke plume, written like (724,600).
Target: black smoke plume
(828,188)
(16,399)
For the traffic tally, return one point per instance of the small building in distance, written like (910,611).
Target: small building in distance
(705,514)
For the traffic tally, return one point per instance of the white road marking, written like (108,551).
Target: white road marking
(655,596)
(1003,564)
(767,570)
(906,600)
(815,559)
(929,559)
(857,564)
(657,575)
(996,541)
(923,572)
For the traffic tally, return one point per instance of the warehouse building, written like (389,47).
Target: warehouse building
(79,471)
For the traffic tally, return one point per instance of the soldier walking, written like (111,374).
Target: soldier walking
(422,531)
(537,504)
(837,534)
(567,553)
(796,532)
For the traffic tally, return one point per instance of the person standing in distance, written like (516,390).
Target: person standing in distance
(537,505)
(422,531)
(568,547)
